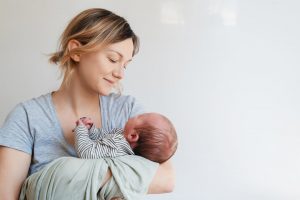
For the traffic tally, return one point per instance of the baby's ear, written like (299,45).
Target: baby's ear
(134,136)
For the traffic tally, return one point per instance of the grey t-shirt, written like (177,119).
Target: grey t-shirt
(33,126)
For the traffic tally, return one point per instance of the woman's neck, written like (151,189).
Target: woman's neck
(77,100)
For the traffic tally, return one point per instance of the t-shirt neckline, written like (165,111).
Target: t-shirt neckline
(57,122)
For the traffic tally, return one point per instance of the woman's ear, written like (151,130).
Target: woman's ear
(73,44)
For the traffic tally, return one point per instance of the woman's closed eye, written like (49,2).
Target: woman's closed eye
(112,60)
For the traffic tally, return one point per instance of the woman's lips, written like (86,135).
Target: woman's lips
(111,82)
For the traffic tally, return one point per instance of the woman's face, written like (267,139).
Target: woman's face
(102,70)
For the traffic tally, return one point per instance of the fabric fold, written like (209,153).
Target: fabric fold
(72,178)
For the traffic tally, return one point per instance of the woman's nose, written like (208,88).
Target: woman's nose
(119,73)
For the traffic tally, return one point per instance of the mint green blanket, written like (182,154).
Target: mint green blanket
(72,178)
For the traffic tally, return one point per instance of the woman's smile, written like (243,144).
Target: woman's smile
(110,82)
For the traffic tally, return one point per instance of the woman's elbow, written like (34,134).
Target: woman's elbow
(167,185)
(169,188)
(164,179)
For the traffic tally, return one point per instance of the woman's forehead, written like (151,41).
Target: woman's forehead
(124,49)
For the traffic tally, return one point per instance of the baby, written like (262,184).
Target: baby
(150,135)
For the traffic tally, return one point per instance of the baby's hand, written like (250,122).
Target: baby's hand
(86,121)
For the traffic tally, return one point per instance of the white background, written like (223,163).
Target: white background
(226,72)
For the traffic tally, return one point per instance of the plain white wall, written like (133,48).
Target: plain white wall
(225,71)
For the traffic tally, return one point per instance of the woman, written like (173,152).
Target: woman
(95,49)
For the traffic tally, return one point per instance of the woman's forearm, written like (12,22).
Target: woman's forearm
(164,179)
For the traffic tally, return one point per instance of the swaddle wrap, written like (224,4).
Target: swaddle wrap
(72,178)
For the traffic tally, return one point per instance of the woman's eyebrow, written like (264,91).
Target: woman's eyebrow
(121,55)
(116,52)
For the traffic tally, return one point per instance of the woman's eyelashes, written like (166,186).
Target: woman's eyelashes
(116,61)
(112,60)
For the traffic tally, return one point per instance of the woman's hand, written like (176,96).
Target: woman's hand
(164,179)
(14,166)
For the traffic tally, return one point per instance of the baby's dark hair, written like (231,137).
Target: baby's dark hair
(156,143)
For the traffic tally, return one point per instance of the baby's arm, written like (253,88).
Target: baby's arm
(92,149)
(94,132)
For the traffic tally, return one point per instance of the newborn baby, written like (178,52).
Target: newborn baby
(150,135)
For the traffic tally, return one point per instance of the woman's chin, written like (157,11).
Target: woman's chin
(105,92)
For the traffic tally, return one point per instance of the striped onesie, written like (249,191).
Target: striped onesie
(98,143)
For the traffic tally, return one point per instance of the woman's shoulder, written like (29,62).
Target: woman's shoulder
(32,105)
(33,102)
(17,129)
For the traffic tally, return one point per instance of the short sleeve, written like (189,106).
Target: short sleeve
(15,132)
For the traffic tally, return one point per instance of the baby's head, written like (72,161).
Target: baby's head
(152,136)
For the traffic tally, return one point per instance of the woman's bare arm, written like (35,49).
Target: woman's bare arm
(14,166)
(164,179)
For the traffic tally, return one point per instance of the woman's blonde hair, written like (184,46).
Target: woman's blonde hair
(93,28)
